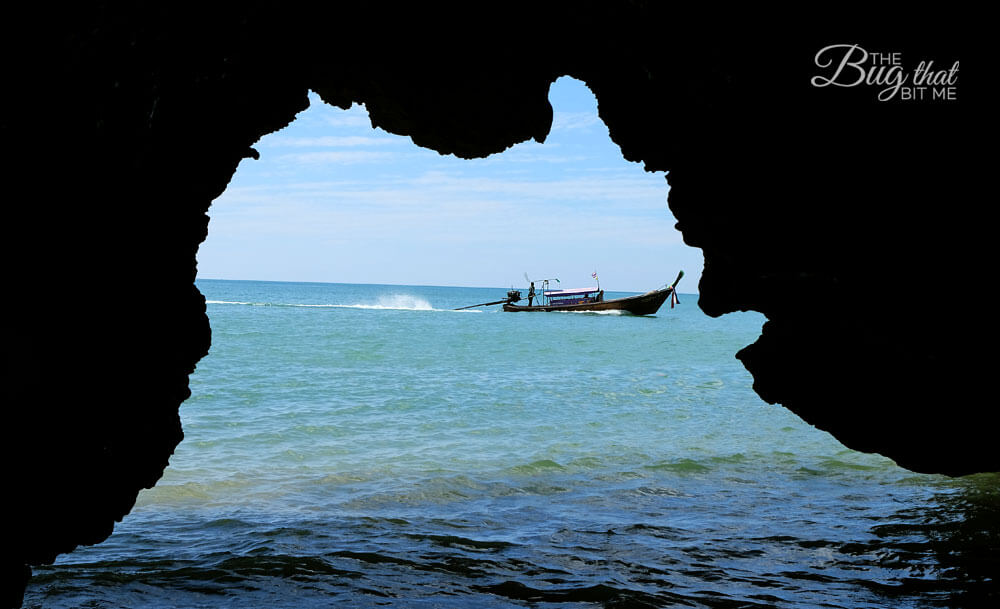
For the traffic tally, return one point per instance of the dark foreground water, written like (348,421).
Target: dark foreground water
(364,446)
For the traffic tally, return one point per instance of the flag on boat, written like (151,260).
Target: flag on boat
(594,274)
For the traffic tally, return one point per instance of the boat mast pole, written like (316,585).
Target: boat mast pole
(545,288)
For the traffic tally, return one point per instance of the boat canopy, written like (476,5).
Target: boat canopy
(572,292)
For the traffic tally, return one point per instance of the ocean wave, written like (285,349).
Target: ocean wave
(460,560)
(235,302)
(393,302)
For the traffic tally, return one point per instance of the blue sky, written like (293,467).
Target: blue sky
(333,200)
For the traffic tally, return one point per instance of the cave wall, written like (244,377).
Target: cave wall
(849,222)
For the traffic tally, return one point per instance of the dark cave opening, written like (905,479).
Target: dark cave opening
(852,201)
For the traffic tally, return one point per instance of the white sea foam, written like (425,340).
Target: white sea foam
(396,302)
(233,302)
(404,302)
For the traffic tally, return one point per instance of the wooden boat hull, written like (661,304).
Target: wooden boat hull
(642,304)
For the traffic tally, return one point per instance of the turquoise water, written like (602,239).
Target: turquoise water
(365,446)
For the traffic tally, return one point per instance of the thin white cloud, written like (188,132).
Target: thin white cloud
(568,121)
(622,189)
(438,206)
(518,156)
(329,141)
(421,219)
(431,189)
(336,157)
(357,116)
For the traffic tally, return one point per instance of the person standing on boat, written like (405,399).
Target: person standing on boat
(531,293)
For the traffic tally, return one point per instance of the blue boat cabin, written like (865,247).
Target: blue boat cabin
(575,296)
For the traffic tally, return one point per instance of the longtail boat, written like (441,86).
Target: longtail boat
(587,299)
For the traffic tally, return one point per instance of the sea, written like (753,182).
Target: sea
(369,446)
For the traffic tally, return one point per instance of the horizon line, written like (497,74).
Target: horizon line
(411,285)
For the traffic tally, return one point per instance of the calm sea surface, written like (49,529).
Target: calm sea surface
(365,446)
